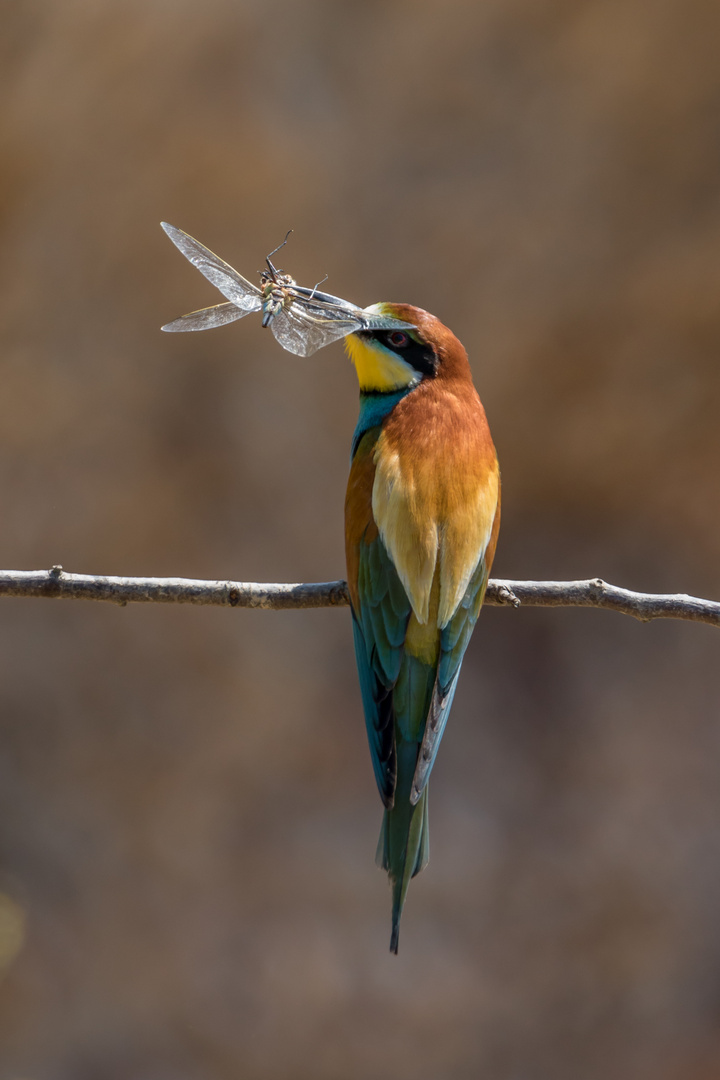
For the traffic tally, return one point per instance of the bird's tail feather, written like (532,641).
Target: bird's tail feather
(403,850)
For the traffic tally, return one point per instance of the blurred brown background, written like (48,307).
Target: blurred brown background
(189,818)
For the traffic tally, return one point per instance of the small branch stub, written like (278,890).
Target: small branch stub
(503,595)
(593,592)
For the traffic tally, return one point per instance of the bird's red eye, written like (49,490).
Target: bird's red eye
(398,339)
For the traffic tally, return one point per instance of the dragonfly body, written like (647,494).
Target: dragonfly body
(277,294)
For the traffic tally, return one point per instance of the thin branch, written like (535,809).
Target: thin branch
(594,592)
(56,584)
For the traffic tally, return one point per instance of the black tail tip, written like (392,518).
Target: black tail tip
(395,938)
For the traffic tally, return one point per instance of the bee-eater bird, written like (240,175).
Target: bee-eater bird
(422,515)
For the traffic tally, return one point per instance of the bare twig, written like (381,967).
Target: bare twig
(594,592)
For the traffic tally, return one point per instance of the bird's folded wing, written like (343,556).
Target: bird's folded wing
(454,638)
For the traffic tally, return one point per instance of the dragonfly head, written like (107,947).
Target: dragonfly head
(275,279)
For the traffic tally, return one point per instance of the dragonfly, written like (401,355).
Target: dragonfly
(303,320)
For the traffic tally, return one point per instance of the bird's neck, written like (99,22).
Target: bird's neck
(374,407)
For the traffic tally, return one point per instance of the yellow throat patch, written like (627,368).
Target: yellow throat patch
(378,368)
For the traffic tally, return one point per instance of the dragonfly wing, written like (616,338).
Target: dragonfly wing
(336,308)
(206,318)
(232,285)
(303,329)
(372,320)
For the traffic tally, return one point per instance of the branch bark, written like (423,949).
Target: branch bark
(594,592)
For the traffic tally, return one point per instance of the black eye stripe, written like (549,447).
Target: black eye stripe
(420,356)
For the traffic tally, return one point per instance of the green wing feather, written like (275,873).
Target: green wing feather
(379,628)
